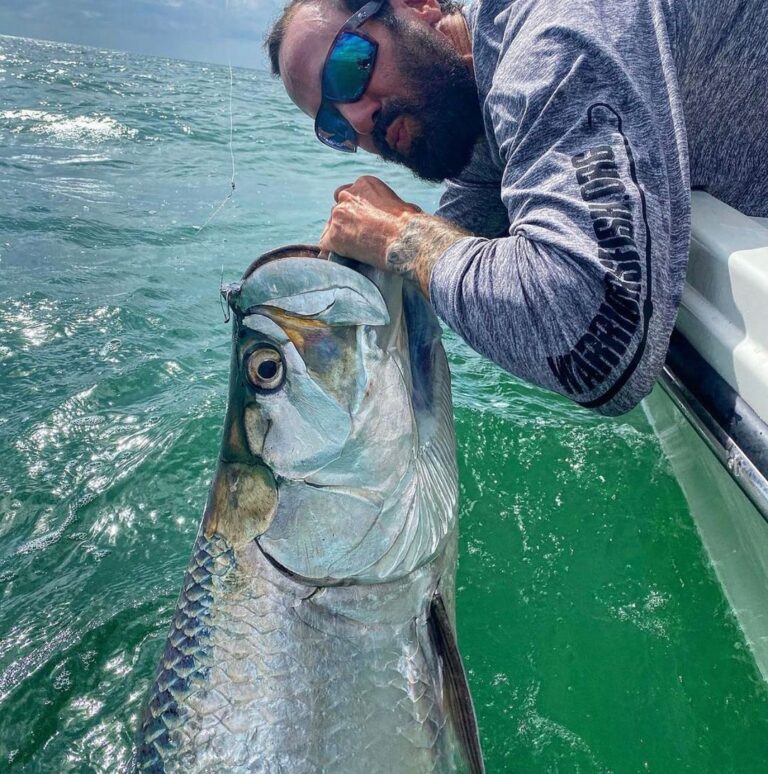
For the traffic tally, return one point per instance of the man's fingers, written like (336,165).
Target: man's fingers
(375,184)
(340,189)
(370,180)
(363,183)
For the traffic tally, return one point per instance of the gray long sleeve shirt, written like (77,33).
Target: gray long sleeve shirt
(579,191)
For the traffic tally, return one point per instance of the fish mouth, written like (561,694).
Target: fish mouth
(287,251)
(230,292)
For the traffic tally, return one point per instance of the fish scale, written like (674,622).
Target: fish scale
(186,658)
(241,675)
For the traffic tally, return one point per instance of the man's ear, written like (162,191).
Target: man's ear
(427,11)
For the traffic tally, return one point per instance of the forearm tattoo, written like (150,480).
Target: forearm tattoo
(424,239)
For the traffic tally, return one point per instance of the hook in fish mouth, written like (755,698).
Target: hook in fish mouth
(227,293)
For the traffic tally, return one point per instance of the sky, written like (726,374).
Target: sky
(203,30)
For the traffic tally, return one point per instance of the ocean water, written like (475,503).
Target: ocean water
(593,629)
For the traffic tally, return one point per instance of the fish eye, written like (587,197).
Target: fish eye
(264,368)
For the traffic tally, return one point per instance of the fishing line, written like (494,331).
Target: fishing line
(215,212)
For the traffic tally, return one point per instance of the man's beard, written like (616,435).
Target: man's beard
(445,106)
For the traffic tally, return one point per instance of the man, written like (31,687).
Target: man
(560,246)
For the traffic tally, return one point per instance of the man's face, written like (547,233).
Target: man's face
(420,108)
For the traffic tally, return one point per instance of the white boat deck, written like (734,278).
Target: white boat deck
(724,311)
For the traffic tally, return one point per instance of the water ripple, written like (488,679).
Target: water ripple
(594,633)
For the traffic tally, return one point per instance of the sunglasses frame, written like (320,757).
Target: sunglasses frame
(350,25)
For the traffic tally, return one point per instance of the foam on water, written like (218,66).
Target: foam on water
(62,128)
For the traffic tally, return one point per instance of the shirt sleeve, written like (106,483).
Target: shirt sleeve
(472,200)
(580,294)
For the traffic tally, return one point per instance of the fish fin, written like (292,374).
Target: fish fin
(458,697)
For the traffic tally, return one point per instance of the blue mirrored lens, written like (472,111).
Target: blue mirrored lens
(334,130)
(348,67)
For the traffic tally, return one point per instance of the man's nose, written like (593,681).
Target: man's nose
(361,114)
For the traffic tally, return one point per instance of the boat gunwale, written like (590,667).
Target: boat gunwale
(722,418)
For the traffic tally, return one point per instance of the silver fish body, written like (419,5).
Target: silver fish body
(314,630)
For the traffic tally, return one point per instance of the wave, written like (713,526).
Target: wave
(94,128)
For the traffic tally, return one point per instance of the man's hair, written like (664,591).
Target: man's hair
(276,35)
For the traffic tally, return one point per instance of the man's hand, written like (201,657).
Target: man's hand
(367,219)
(372,224)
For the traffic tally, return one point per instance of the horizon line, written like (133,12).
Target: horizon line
(135,53)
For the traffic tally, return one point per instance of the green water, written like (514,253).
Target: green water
(594,631)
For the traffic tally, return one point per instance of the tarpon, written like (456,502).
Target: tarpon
(314,631)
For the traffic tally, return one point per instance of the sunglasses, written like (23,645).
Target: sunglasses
(346,74)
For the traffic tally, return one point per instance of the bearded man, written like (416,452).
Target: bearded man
(569,133)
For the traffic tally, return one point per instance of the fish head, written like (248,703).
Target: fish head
(338,455)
